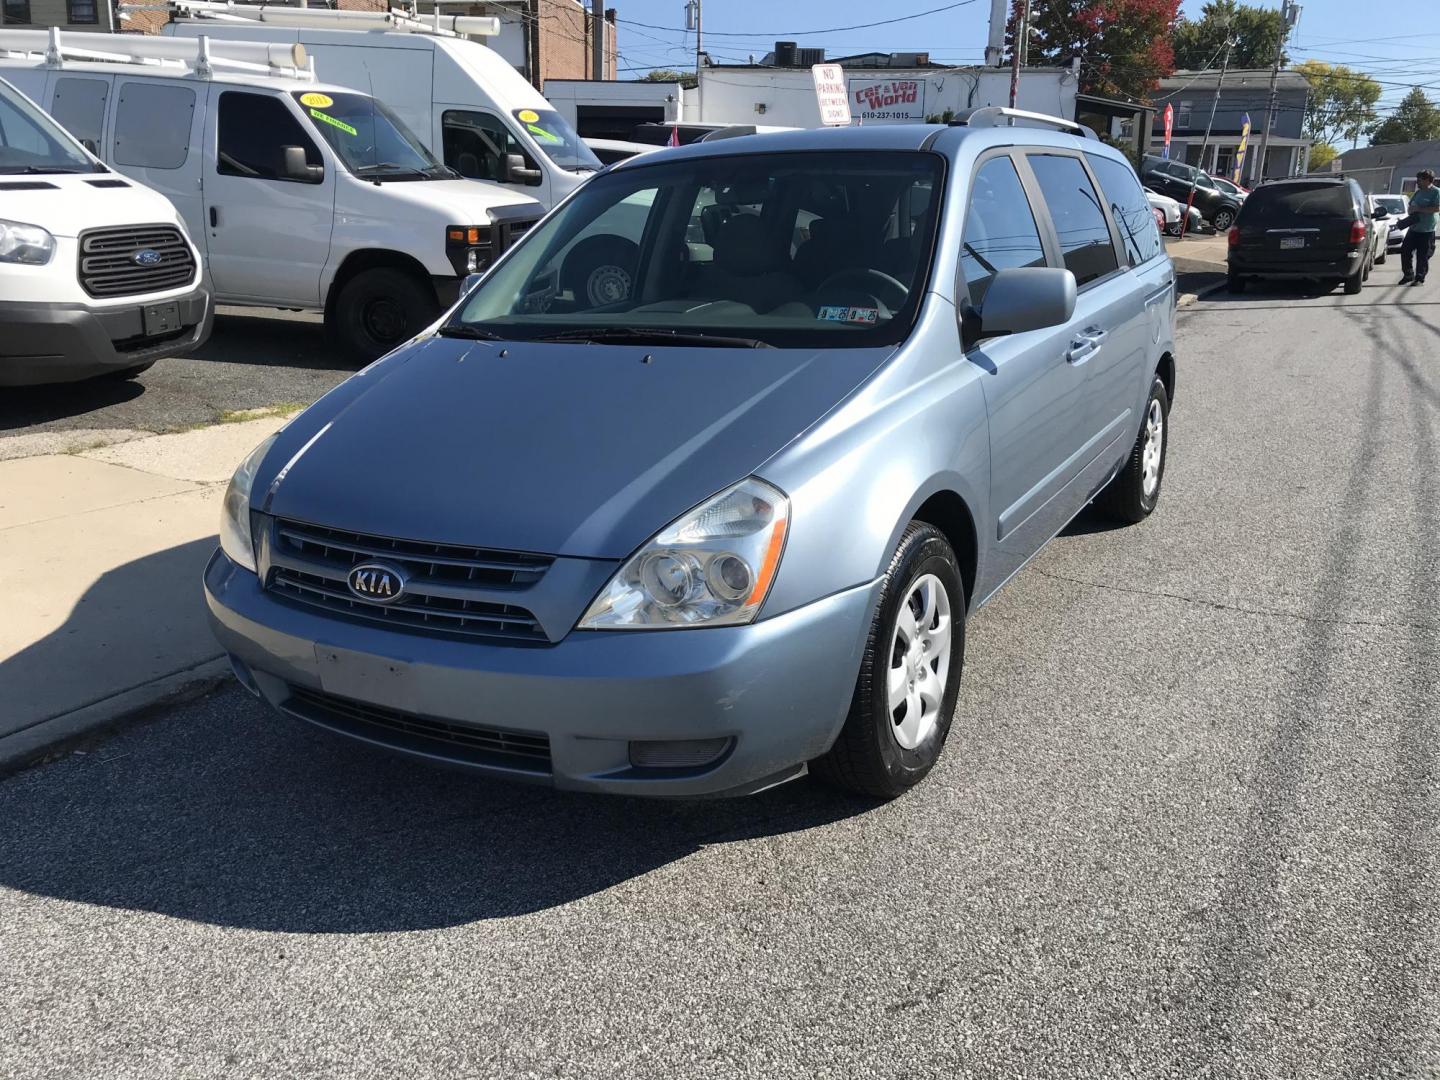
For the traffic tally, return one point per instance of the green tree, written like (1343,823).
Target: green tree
(1341,103)
(684,78)
(1415,118)
(1123,45)
(1321,154)
(1258,32)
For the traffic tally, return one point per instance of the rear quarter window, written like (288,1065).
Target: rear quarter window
(1129,207)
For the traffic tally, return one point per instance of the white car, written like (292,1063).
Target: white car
(1396,207)
(609,151)
(1173,211)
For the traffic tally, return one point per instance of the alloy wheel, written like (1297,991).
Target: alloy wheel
(1150,453)
(919,661)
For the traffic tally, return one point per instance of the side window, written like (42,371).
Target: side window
(254,130)
(1000,231)
(152,125)
(79,106)
(81,11)
(14,12)
(1076,211)
(1129,207)
(477,143)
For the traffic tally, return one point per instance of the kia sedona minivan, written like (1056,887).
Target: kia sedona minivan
(698,488)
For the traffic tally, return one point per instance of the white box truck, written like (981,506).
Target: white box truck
(304,195)
(460,97)
(97,274)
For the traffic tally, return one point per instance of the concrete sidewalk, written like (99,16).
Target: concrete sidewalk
(101,553)
(1199,265)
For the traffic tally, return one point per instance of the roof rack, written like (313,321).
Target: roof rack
(280,14)
(200,56)
(997,115)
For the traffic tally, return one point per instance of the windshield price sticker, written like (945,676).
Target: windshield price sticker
(326,119)
(317,101)
(539,132)
(528,116)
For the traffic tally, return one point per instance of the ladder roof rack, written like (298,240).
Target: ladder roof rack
(1000,116)
(306,17)
(202,56)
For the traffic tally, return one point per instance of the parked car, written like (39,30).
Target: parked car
(98,276)
(610,151)
(1311,227)
(1229,187)
(1395,207)
(730,518)
(1381,222)
(1175,178)
(1173,212)
(304,195)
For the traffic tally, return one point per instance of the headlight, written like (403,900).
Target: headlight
(469,247)
(235,539)
(21,243)
(712,567)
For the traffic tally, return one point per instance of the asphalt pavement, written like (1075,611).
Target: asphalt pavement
(1185,825)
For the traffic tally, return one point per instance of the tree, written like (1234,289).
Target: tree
(1257,32)
(1123,45)
(1415,118)
(684,78)
(1341,102)
(1321,154)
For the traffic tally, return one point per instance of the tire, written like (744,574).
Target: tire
(1354,282)
(1172,230)
(1365,273)
(1235,284)
(1380,259)
(1133,495)
(874,754)
(125,374)
(378,310)
(1223,219)
(601,270)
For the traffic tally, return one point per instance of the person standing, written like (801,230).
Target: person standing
(1419,242)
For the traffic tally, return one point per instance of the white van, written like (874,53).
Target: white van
(97,274)
(462,98)
(307,196)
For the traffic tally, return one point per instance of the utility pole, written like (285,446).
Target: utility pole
(1209,125)
(1289,12)
(692,22)
(1022,31)
(597,45)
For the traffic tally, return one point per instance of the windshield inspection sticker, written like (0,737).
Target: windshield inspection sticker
(318,101)
(326,119)
(864,315)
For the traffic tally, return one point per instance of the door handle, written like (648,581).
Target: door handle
(214,217)
(1086,344)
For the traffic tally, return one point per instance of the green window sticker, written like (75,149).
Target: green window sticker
(536,129)
(326,119)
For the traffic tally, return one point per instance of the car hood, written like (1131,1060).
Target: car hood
(69,203)
(564,449)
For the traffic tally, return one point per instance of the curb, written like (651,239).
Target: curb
(1186,299)
(49,738)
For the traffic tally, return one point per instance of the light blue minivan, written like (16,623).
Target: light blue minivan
(696,490)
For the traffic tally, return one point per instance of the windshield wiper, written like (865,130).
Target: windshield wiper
(390,169)
(656,336)
(473,333)
(46,170)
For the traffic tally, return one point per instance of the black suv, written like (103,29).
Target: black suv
(1304,228)
(1174,178)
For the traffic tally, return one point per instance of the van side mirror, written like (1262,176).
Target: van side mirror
(1380,212)
(1024,298)
(297,168)
(516,171)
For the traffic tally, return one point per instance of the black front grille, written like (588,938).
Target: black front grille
(108,267)
(451,590)
(511,233)
(497,747)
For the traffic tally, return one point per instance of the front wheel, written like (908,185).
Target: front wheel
(1134,492)
(909,676)
(378,310)
(1223,219)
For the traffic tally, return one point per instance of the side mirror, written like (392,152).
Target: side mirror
(296,167)
(516,171)
(1380,212)
(1026,298)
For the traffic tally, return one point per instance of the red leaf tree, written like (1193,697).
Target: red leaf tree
(1124,46)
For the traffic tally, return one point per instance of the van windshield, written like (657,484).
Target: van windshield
(30,142)
(558,139)
(794,250)
(371,140)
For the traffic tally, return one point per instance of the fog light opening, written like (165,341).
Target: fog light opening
(677,753)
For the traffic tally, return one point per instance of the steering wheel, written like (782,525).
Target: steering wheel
(887,288)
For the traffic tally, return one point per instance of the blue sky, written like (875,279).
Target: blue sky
(735,29)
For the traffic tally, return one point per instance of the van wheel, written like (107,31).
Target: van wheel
(1223,219)
(1353,282)
(1132,495)
(600,271)
(909,676)
(378,310)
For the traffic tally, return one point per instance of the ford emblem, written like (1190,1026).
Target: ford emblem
(146,257)
(379,583)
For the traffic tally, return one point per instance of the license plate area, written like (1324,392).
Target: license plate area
(1289,243)
(362,677)
(160,319)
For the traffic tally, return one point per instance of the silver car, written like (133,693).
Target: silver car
(697,489)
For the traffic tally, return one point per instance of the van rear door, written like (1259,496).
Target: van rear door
(1297,223)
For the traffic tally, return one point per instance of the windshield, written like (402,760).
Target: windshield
(30,142)
(558,139)
(790,250)
(1394,203)
(371,140)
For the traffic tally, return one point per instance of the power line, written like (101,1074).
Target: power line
(804,33)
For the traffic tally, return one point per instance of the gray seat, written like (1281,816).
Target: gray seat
(745,267)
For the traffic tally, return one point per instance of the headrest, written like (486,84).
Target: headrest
(741,246)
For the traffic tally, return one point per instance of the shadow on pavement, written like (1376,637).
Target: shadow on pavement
(229,814)
(23,406)
(269,338)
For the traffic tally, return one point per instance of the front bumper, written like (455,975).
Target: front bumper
(56,343)
(778,689)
